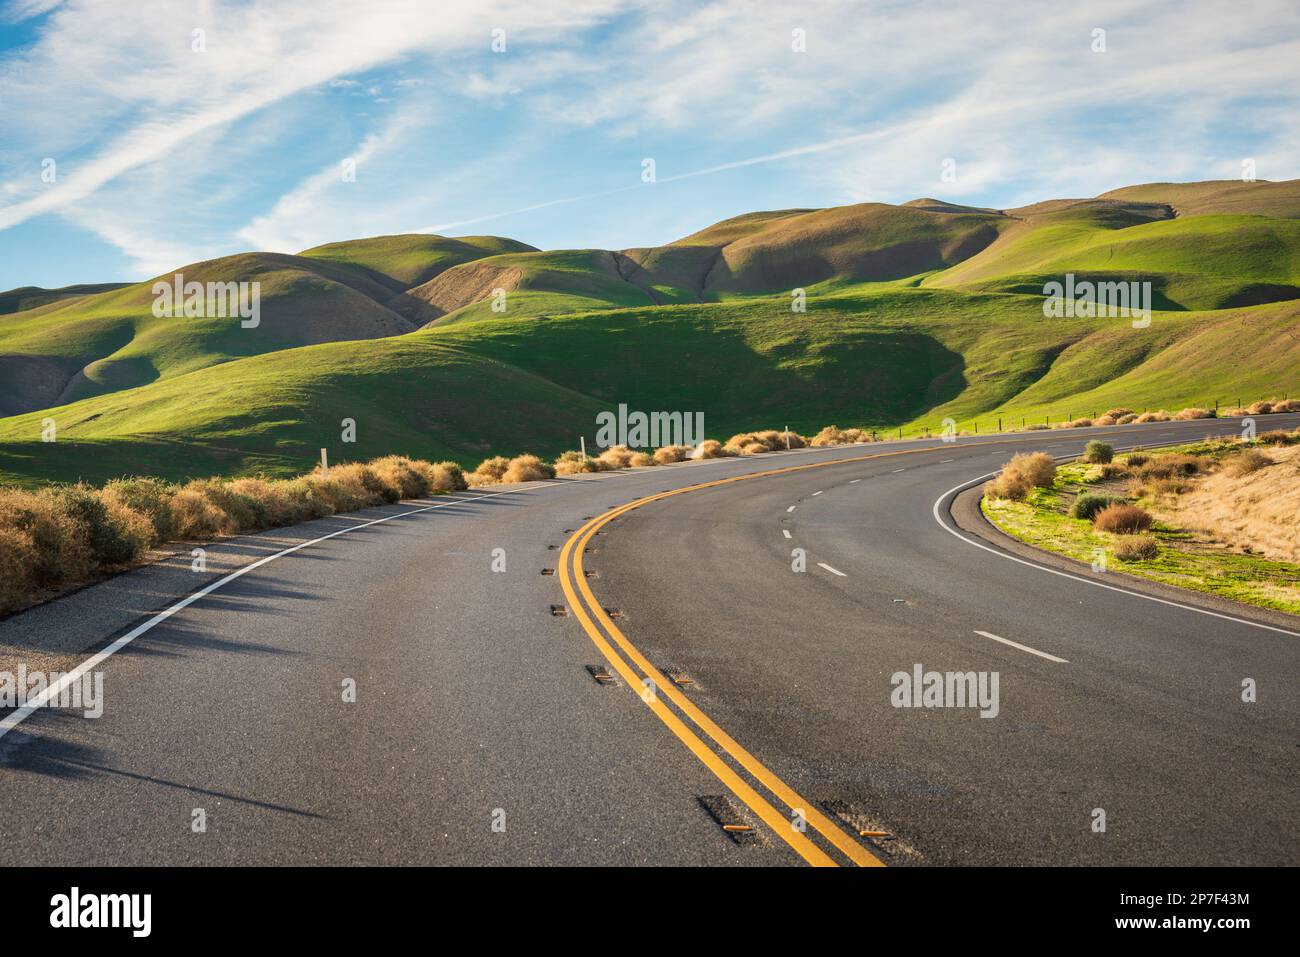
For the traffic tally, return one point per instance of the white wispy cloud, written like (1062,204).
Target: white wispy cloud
(447,133)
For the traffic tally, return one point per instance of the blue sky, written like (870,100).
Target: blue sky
(165,155)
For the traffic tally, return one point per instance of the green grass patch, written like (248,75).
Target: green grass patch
(1043,521)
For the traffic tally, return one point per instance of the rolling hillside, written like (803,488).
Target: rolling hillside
(915,312)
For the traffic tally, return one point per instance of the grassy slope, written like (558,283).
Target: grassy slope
(408,260)
(112,341)
(876,357)
(1186,559)
(902,349)
(74,347)
(1201,262)
(33,297)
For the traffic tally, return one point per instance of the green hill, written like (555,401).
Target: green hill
(914,313)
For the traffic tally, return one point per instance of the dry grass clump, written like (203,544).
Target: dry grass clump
(56,546)
(1171,465)
(1021,474)
(1136,548)
(768,440)
(444,477)
(1118,413)
(66,534)
(1267,407)
(1075,424)
(573,462)
(489,471)
(1245,462)
(17,557)
(1135,458)
(403,475)
(620,457)
(1126,418)
(1277,437)
(1011,486)
(672,453)
(1038,467)
(834,435)
(1112,470)
(1194,413)
(1159,416)
(710,449)
(150,497)
(526,468)
(1122,519)
(1104,420)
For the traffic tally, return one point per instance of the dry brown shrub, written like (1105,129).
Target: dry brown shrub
(527,468)
(61,548)
(614,458)
(17,560)
(1193,413)
(672,453)
(403,474)
(1122,519)
(489,471)
(1159,416)
(1118,413)
(196,514)
(1009,485)
(1126,418)
(1245,462)
(1276,437)
(1136,548)
(1038,467)
(710,449)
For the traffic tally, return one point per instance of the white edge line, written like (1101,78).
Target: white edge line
(815,494)
(16,717)
(1016,644)
(786,532)
(1079,578)
(833,571)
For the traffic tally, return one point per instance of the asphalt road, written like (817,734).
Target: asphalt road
(479,735)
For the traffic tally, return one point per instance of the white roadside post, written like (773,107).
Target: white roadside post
(787,438)
(583,440)
(324,464)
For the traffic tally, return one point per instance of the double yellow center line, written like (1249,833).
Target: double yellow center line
(605,635)
(652,683)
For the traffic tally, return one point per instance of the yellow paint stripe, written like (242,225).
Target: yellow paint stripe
(847,846)
(571,568)
(770,816)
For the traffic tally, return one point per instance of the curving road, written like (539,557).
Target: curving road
(479,735)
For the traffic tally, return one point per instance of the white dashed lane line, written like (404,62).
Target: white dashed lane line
(792,508)
(815,494)
(833,571)
(1016,644)
(785,532)
(855,481)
